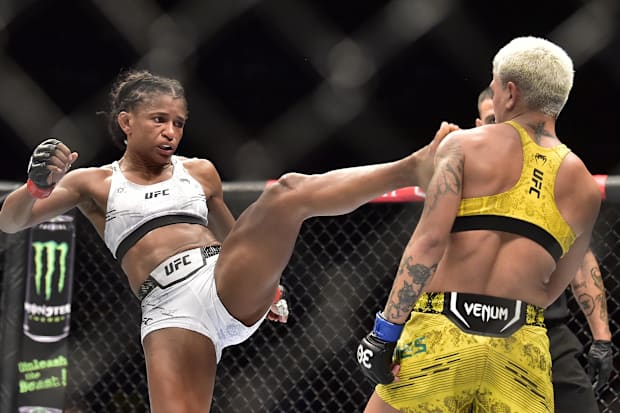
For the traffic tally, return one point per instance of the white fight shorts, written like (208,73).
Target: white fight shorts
(190,301)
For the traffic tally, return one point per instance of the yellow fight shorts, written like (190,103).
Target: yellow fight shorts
(463,353)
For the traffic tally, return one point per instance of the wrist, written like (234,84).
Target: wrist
(38,192)
(386,330)
(601,335)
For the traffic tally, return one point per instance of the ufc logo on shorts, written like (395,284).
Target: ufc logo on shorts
(364,356)
(174,265)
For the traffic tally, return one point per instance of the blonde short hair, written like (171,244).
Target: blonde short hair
(542,70)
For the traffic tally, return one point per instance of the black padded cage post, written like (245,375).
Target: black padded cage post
(339,275)
(12,287)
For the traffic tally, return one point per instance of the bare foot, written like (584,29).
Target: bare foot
(426,156)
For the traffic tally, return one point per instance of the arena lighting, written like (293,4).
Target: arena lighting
(587,31)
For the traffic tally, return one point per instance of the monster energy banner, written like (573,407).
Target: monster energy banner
(42,367)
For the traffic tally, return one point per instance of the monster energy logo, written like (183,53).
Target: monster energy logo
(48,256)
(45,280)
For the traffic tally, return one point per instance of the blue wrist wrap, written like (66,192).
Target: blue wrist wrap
(386,330)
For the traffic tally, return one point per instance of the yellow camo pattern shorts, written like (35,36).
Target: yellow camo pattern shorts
(444,369)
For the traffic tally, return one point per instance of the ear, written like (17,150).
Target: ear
(479,122)
(513,95)
(124,122)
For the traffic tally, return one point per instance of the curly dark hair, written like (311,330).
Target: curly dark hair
(132,88)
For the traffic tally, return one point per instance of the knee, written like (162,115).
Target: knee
(291,180)
(285,185)
(287,193)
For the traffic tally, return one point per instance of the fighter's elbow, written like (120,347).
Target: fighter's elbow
(9,228)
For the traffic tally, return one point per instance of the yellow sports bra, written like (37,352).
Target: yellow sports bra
(528,208)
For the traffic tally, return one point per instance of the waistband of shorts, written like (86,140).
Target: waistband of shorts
(150,283)
(485,307)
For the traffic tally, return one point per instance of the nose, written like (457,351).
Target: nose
(170,131)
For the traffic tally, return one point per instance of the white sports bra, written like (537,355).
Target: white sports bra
(133,210)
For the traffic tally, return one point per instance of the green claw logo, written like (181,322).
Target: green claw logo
(44,280)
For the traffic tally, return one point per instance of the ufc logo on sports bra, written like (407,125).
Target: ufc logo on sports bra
(176,264)
(155,194)
(537,178)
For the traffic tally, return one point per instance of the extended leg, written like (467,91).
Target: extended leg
(261,243)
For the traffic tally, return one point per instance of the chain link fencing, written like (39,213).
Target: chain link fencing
(339,275)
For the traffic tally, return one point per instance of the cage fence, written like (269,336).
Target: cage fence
(340,273)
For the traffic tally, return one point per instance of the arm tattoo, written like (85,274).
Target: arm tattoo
(589,303)
(603,314)
(448,179)
(595,273)
(586,302)
(415,277)
(596,277)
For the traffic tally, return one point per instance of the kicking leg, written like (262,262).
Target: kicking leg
(261,243)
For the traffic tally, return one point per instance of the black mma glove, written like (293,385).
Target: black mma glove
(600,363)
(374,354)
(37,167)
